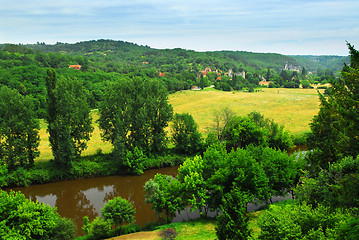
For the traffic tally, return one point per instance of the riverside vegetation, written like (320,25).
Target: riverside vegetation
(240,161)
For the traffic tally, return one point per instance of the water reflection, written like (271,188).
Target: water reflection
(85,197)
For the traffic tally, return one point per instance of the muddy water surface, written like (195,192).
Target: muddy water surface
(85,197)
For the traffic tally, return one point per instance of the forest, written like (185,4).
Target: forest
(242,160)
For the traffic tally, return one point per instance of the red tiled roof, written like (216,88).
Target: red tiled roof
(77,67)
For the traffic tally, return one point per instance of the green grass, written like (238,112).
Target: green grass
(198,229)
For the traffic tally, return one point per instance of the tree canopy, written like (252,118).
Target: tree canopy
(18,129)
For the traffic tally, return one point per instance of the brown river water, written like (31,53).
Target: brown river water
(85,197)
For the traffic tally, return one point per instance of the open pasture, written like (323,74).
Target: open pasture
(294,108)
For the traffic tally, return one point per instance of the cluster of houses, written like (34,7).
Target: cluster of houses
(219,73)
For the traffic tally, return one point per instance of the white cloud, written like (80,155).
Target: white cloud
(257,25)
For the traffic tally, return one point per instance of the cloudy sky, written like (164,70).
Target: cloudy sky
(316,27)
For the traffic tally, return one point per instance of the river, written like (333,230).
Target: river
(85,197)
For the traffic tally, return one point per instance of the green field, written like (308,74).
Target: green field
(294,108)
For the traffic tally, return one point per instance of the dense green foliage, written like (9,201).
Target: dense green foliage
(335,187)
(118,211)
(202,182)
(21,218)
(134,113)
(241,131)
(18,129)
(115,212)
(334,129)
(233,223)
(68,118)
(185,134)
(163,193)
(301,221)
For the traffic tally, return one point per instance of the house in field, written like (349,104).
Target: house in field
(77,67)
(195,88)
(264,83)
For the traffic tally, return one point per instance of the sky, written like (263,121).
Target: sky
(291,27)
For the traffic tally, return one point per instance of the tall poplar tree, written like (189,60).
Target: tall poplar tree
(68,118)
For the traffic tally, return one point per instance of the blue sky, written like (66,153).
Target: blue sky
(317,27)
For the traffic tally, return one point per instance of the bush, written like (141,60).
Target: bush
(64,229)
(31,220)
(99,228)
(118,211)
(134,161)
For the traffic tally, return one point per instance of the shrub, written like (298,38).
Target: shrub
(64,229)
(300,222)
(30,220)
(134,161)
(118,211)
(99,228)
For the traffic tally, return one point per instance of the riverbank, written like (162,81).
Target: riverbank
(98,165)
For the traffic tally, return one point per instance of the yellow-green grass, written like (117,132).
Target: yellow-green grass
(94,145)
(294,108)
(194,230)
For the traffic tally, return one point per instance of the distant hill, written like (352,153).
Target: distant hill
(313,63)
(127,52)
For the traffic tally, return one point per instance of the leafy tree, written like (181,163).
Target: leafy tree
(275,135)
(334,129)
(18,129)
(304,72)
(278,167)
(68,118)
(164,193)
(232,223)
(194,189)
(118,211)
(21,218)
(301,221)
(134,113)
(239,169)
(306,84)
(242,131)
(221,119)
(185,134)
(336,186)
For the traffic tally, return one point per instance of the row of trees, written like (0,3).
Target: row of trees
(134,114)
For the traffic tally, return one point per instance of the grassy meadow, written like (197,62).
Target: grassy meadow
(294,108)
